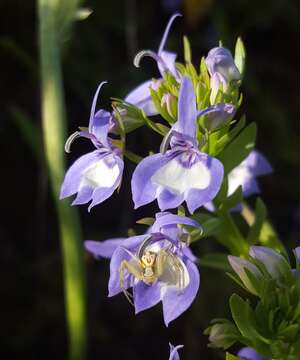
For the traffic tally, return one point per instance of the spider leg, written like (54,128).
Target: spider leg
(133,270)
(160,263)
(178,270)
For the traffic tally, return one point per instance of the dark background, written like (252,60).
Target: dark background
(102,48)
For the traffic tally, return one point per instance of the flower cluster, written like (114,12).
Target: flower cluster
(206,166)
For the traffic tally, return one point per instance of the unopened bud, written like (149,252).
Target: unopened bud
(240,266)
(170,102)
(275,264)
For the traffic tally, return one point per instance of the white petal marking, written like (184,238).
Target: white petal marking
(100,175)
(176,178)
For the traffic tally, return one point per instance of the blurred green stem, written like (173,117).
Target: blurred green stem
(54,123)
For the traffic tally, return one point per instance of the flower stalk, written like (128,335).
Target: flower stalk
(54,134)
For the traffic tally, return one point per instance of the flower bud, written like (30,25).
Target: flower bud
(219,60)
(239,265)
(169,101)
(219,115)
(156,84)
(222,335)
(275,264)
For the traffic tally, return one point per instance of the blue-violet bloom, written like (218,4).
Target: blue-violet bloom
(157,266)
(248,353)
(182,173)
(140,96)
(246,172)
(244,175)
(96,175)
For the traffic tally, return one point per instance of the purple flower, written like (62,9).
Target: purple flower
(157,266)
(140,96)
(182,173)
(245,174)
(222,69)
(248,353)
(174,352)
(96,175)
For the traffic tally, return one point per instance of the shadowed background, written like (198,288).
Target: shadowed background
(102,48)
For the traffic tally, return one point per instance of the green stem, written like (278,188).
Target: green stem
(54,122)
(230,236)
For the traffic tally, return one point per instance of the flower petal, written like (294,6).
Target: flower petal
(145,296)
(258,163)
(169,59)
(171,219)
(169,200)
(297,252)
(166,33)
(187,111)
(73,176)
(143,189)
(198,197)
(103,249)
(84,195)
(174,352)
(118,256)
(99,126)
(141,97)
(107,178)
(179,178)
(176,301)
(248,353)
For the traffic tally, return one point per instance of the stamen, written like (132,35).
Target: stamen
(153,55)
(70,140)
(166,142)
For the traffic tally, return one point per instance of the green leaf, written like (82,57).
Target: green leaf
(234,199)
(187,50)
(210,224)
(240,55)
(244,318)
(239,148)
(229,136)
(260,216)
(146,221)
(157,127)
(132,156)
(132,117)
(232,357)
